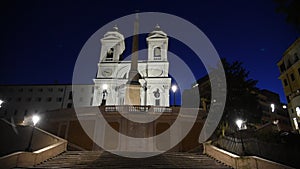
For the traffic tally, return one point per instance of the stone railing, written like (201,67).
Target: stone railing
(132,108)
(240,162)
(27,159)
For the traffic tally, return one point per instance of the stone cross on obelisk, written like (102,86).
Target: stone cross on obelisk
(133,86)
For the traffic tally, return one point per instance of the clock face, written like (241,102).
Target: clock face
(107,72)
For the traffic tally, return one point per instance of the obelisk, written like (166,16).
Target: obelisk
(133,86)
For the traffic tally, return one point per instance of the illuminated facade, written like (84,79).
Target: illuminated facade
(113,73)
(289,67)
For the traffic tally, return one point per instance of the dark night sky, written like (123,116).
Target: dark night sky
(40,40)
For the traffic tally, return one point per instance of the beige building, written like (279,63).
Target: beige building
(289,67)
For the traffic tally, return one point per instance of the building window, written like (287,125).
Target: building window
(15,112)
(21,90)
(296,57)
(49,99)
(109,54)
(91,102)
(30,90)
(69,105)
(29,99)
(70,95)
(19,99)
(38,99)
(282,67)
(59,99)
(25,112)
(292,77)
(157,102)
(41,89)
(157,53)
(285,82)
(295,123)
(60,89)
(50,89)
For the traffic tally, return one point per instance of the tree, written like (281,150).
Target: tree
(241,99)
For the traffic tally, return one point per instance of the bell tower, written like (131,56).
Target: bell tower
(157,45)
(112,46)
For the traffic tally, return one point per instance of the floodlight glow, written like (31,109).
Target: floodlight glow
(284,106)
(105,87)
(239,123)
(273,107)
(35,119)
(174,88)
(298,111)
(1,101)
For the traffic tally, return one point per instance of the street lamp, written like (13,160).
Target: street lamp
(174,88)
(284,107)
(272,107)
(241,126)
(35,119)
(1,101)
(104,92)
(298,111)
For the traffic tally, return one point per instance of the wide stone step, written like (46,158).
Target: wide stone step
(97,159)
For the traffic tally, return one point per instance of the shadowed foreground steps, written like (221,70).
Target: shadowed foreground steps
(97,159)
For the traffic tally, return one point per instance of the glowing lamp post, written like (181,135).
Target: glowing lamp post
(104,92)
(174,88)
(1,101)
(272,107)
(241,126)
(35,119)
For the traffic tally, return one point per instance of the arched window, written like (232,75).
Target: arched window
(110,54)
(157,53)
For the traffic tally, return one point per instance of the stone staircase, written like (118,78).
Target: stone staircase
(98,159)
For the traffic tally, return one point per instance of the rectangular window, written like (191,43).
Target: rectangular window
(292,77)
(59,99)
(282,68)
(49,99)
(38,99)
(60,89)
(70,96)
(29,99)
(41,89)
(30,90)
(69,105)
(15,112)
(50,89)
(91,102)
(295,123)
(157,102)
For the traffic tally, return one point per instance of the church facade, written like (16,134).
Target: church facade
(113,73)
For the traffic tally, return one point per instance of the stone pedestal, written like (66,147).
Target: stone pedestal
(132,94)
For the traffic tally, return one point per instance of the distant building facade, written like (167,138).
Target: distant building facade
(289,67)
(24,100)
